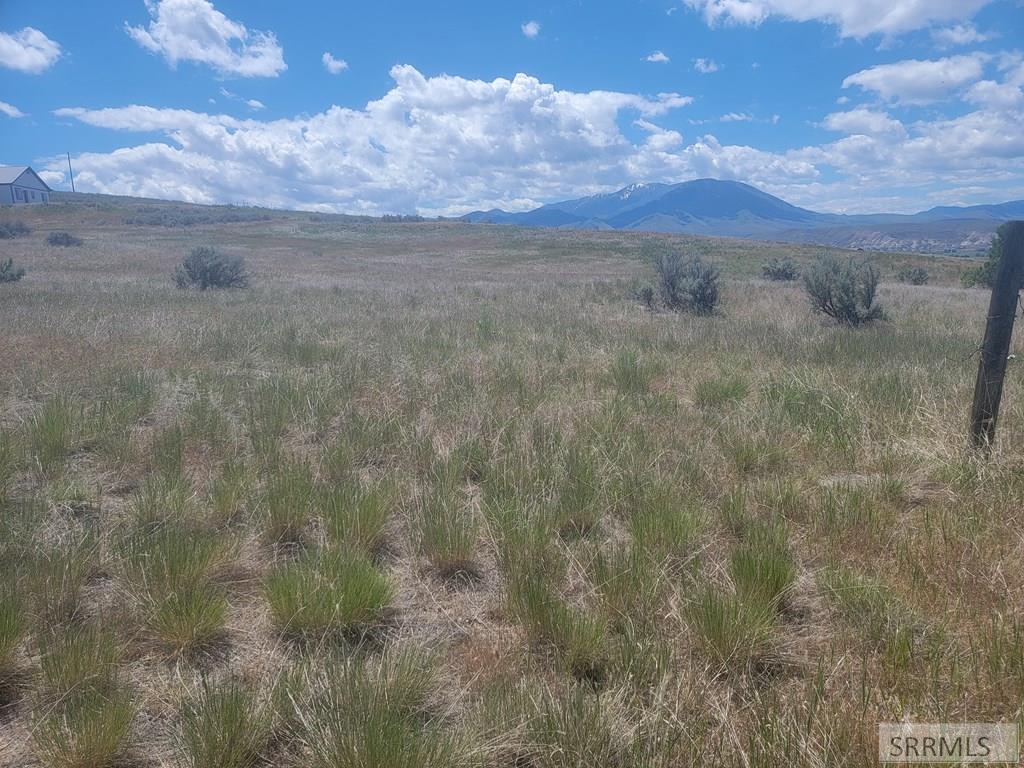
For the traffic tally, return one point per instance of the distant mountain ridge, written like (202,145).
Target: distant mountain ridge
(734,209)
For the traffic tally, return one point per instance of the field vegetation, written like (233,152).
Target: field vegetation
(434,494)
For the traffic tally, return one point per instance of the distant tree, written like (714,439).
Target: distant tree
(913,275)
(10,273)
(845,291)
(780,269)
(984,276)
(207,268)
(687,283)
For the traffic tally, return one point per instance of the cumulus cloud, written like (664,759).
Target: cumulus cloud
(995,95)
(959,34)
(437,144)
(10,110)
(193,30)
(531,29)
(705,66)
(736,117)
(858,18)
(333,65)
(255,104)
(658,58)
(915,81)
(864,121)
(447,145)
(28,50)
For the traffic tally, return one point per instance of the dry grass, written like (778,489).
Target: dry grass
(448,491)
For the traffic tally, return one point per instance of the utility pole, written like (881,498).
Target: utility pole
(1002,311)
(71,173)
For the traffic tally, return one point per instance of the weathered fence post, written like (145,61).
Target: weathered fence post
(1002,311)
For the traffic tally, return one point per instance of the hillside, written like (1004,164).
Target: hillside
(733,209)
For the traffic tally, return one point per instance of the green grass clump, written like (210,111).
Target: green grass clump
(171,570)
(55,580)
(224,726)
(8,465)
(287,503)
(736,634)
(719,392)
(630,586)
(762,567)
(159,501)
(336,592)
(579,640)
(630,375)
(357,517)
(665,529)
(579,507)
(228,494)
(12,629)
(877,613)
(85,714)
(526,539)
(92,732)
(368,716)
(79,663)
(447,533)
(53,431)
(168,452)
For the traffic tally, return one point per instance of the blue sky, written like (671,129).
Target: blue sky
(878,105)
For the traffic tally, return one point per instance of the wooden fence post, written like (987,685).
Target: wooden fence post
(1002,311)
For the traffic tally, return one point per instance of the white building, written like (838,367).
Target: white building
(20,185)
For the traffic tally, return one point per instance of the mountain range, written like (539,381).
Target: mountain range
(734,209)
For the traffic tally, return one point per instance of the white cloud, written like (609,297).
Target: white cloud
(854,18)
(437,144)
(995,95)
(446,145)
(915,81)
(658,58)
(959,34)
(333,65)
(28,50)
(10,110)
(705,66)
(254,104)
(736,117)
(193,30)
(531,29)
(864,121)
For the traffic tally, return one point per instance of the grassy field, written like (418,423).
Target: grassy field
(431,494)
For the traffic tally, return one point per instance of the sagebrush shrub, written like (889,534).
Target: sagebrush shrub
(9,273)
(207,268)
(65,239)
(780,270)
(844,291)
(687,283)
(10,229)
(913,275)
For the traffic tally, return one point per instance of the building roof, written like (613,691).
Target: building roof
(11,173)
